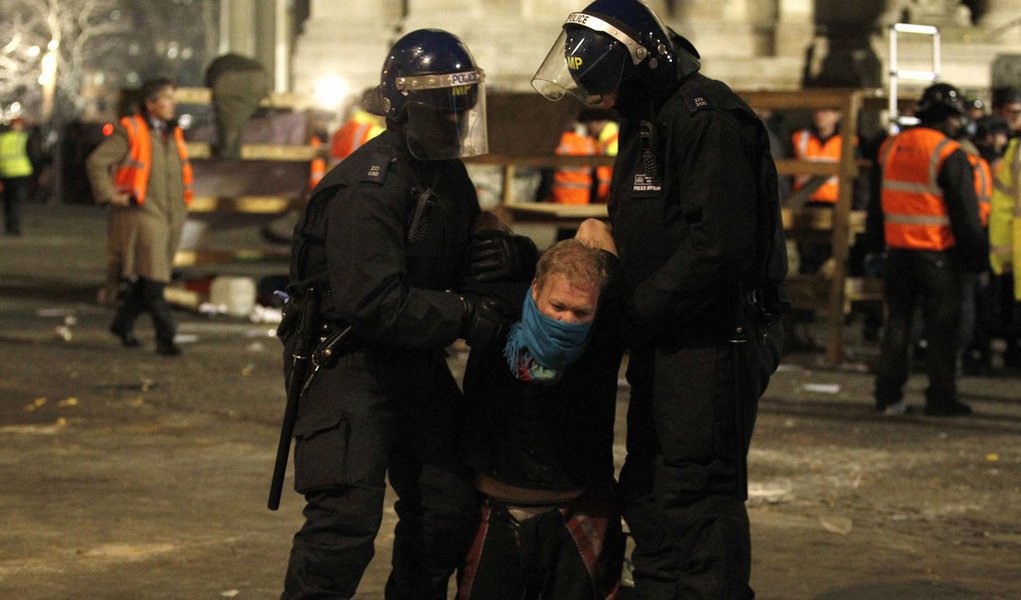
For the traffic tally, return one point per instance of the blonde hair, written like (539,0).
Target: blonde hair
(580,264)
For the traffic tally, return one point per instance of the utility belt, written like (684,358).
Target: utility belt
(335,339)
(760,309)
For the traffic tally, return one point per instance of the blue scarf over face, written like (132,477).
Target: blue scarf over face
(552,344)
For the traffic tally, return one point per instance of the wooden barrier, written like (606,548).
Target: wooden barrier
(831,291)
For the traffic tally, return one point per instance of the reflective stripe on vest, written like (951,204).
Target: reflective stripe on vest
(360,128)
(133,173)
(1005,218)
(808,147)
(914,213)
(317,166)
(607,146)
(14,154)
(573,185)
(983,186)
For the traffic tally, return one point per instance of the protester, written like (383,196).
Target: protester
(539,432)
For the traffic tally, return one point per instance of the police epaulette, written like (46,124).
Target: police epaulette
(377,166)
(696,100)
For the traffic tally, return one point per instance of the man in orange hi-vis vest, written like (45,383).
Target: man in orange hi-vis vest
(363,123)
(141,171)
(932,234)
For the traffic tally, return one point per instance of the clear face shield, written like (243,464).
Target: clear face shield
(446,115)
(587,60)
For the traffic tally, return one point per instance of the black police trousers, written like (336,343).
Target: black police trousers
(690,421)
(931,281)
(370,417)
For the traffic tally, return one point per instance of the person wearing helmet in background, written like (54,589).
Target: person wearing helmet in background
(928,224)
(695,214)
(382,243)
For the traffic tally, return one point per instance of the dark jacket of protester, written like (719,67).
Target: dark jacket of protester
(546,437)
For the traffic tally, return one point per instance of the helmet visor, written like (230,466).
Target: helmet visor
(587,60)
(446,115)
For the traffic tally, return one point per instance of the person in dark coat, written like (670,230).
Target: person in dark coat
(695,215)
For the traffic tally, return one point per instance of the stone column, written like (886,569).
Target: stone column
(349,42)
(794,27)
(842,54)
(725,26)
(1003,18)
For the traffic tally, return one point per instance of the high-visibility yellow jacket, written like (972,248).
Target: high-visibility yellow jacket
(14,160)
(133,174)
(1005,217)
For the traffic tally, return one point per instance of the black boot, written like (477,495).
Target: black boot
(130,304)
(162,318)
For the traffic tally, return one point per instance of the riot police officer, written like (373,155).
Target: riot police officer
(695,215)
(381,244)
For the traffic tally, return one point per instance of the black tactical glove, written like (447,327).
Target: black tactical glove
(484,321)
(496,255)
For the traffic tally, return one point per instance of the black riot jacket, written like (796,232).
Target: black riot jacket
(385,235)
(695,212)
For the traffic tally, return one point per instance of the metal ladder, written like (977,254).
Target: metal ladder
(895,119)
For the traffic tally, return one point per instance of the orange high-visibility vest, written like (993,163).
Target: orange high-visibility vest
(915,216)
(983,186)
(360,128)
(133,173)
(809,147)
(573,185)
(607,146)
(317,168)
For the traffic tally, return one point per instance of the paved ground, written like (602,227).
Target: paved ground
(128,475)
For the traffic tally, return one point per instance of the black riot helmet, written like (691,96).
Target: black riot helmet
(433,92)
(940,101)
(610,44)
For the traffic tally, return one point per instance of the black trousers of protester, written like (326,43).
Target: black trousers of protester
(571,552)
(931,281)
(682,483)
(144,295)
(372,415)
(15,194)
